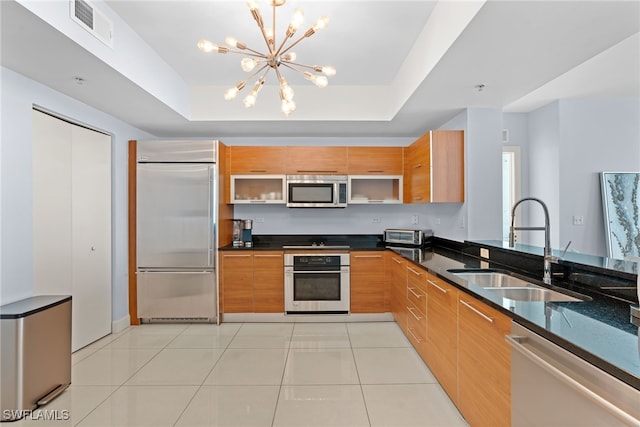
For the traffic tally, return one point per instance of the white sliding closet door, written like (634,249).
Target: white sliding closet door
(72,222)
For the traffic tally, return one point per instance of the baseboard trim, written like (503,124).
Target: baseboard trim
(289,318)
(120,324)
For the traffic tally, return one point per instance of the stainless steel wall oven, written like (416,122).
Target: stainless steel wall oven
(316,283)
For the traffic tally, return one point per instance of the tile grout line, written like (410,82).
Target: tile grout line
(353,354)
(286,359)
(207,375)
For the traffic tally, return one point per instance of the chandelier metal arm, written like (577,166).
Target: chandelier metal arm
(294,43)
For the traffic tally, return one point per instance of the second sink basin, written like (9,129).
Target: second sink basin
(532,294)
(510,287)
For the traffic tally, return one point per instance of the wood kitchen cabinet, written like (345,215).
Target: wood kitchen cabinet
(434,168)
(484,363)
(369,293)
(442,333)
(236,276)
(268,282)
(416,306)
(307,160)
(375,160)
(252,282)
(398,289)
(250,160)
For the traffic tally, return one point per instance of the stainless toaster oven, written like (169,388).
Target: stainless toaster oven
(405,236)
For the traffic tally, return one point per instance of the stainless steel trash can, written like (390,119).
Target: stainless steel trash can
(35,353)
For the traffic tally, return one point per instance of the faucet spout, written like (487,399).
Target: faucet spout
(546,278)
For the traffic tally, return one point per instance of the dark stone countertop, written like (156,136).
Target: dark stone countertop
(599,330)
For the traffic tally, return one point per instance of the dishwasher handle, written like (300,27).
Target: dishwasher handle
(517,344)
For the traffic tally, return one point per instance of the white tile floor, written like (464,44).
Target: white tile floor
(252,374)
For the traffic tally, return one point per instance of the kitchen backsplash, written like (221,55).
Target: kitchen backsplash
(446,220)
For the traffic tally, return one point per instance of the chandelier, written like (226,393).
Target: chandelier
(277,57)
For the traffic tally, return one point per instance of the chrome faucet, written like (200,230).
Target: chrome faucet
(546,278)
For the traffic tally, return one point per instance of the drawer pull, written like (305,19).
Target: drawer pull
(417,273)
(413,335)
(268,256)
(419,165)
(396,260)
(413,314)
(258,170)
(432,283)
(416,295)
(417,198)
(236,256)
(368,256)
(478,312)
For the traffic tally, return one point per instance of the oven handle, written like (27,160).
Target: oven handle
(316,271)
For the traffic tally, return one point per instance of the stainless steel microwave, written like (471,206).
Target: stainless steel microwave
(317,191)
(405,236)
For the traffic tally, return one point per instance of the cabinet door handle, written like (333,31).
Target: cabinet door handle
(376,171)
(413,314)
(268,256)
(417,198)
(478,312)
(258,170)
(432,283)
(317,171)
(236,256)
(396,260)
(414,335)
(417,273)
(416,295)
(419,165)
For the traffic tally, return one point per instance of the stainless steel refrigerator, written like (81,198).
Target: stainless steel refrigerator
(176,230)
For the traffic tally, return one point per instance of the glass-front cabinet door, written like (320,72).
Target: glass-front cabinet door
(365,189)
(269,189)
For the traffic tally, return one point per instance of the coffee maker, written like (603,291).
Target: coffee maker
(247,227)
(242,233)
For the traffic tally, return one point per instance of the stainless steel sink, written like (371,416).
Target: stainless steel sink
(491,279)
(509,286)
(532,294)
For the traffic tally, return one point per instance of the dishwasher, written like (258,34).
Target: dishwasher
(550,386)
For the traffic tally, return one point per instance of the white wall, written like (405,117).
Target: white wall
(544,168)
(595,136)
(19,95)
(484,173)
(570,142)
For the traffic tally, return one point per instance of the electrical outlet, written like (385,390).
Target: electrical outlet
(376,220)
(578,220)
(414,219)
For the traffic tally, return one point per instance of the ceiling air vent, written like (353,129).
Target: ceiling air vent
(92,20)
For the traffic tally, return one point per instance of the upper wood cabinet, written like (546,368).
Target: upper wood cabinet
(247,160)
(434,168)
(305,160)
(374,160)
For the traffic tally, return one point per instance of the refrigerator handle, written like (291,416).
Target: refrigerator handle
(210,217)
